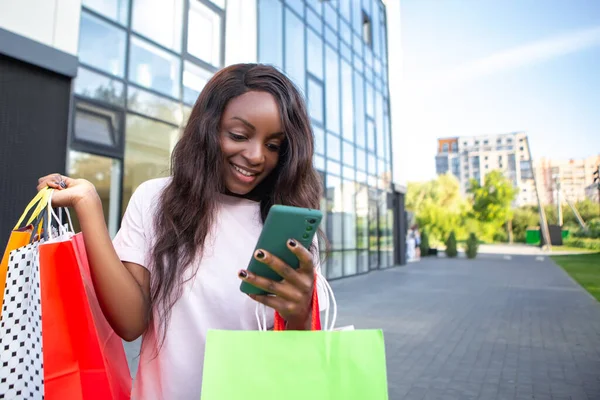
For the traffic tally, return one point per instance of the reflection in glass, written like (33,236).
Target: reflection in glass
(363,262)
(370,135)
(345,9)
(194,80)
(154,68)
(334,211)
(319,139)
(359,109)
(314,20)
(298,6)
(334,265)
(331,37)
(95,86)
(334,167)
(112,9)
(101,45)
(315,100)
(332,90)
(160,21)
(315,54)
(380,129)
(347,103)
(331,17)
(333,147)
(370,100)
(204,33)
(314,4)
(349,212)
(362,217)
(154,106)
(96,125)
(373,234)
(350,263)
(148,147)
(270,33)
(294,39)
(345,51)
(348,153)
(361,160)
(103,172)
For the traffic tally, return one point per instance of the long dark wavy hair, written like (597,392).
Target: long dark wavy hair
(188,204)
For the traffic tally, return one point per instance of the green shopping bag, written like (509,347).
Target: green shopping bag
(294,365)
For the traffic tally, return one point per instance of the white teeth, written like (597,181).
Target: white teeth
(242,171)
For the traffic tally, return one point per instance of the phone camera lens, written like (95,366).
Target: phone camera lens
(312,221)
(305,236)
(309,228)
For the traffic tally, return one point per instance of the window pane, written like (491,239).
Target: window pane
(346,32)
(348,154)
(96,125)
(334,265)
(159,20)
(101,45)
(154,68)
(218,3)
(370,100)
(319,139)
(113,9)
(361,160)
(98,170)
(315,100)
(334,211)
(332,90)
(363,262)
(331,37)
(270,33)
(154,106)
(347,102)
(319,162)
(333,147)
(361,177)
(315,54)
(345,9)
(333,167)
(359,109)
(372,165)
(204,33)
(314,4)
(148,146)
(194,80)
(348,173)
(379,123)
(349,199)
(350,263)
(370,135)
(356,16)
(362,217)
(331,17)
(345,51)
(294,39)
(314,20)
(298,6)
(357,45)
(99,87)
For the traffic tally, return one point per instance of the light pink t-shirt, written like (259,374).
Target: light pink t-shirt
(211,300)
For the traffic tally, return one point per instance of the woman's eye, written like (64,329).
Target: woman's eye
(273,146)
(236,137)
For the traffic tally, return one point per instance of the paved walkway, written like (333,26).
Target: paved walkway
(489,329)
(480,329)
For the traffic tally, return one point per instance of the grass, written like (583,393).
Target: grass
(585,269)
(573,249)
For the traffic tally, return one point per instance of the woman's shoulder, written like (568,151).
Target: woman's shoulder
(152,187)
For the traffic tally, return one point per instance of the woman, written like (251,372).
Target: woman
(172,271)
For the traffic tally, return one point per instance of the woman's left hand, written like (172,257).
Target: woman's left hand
(293,294)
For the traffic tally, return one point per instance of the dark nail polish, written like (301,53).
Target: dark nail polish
(260,254)
(292,243)
(242,274)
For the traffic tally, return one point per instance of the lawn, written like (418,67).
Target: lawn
(585,269)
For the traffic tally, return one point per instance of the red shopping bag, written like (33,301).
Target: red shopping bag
(83,357)
(315,322)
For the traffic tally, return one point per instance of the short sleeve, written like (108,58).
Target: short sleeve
(132,240)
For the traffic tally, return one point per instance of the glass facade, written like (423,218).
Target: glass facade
(335,52)
(144,62)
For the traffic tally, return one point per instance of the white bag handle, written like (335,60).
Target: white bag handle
(62,230)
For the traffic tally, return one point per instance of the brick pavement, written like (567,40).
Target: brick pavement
(488,328)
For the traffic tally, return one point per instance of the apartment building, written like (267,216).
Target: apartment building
(576,177)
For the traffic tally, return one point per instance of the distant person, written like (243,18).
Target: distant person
(410,246)
(173,269)
(417,235)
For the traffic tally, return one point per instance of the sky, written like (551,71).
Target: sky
(473,67)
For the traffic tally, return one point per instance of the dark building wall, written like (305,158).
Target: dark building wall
(34,122)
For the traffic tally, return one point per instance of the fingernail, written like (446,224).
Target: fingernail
(292,243)
(260,254)
(243,274)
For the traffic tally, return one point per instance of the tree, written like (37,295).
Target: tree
(492,201)
(451,250)
(472,246)
(438,205)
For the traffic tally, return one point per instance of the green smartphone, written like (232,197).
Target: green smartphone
(282,223)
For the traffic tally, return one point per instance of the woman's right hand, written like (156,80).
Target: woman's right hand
(69,195)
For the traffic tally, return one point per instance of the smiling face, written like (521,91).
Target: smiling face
(251,136)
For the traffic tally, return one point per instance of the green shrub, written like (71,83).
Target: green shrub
(583,243)
(472,246)
(424,244)
(500,237)
(451,250)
